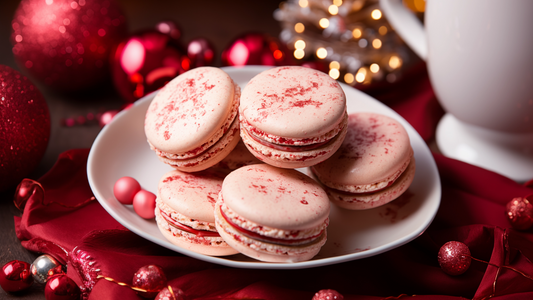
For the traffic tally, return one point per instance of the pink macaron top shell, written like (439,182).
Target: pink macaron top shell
(191,111)
(293,106)
(374,153)
(276,198)
(191,195)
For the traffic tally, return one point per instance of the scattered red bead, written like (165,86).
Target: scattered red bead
(144,204)
(328,295)
(151,278)
(454,258)
(520,212)
(15,276)
(61,287)
(125,189)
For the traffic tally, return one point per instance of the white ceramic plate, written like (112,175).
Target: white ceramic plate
(121,150)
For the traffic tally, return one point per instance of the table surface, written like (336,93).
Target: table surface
(218,21)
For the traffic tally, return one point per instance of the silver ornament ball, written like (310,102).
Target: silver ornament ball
(43,267)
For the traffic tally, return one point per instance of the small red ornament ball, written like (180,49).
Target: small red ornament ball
(171,293)
(520,212)
(328,295)
(61,287)
(151,278)
(24,127)
(66,44)
(125,189)
(256,49)
(144,204)
(201,53)
(146,61)
(454,258)
(15,276)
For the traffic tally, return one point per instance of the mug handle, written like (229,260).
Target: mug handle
(406,25)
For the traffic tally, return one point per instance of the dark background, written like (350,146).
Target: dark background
(217,21)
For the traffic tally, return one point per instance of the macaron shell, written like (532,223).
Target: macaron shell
(279,198)
(293,160)
(293,102)
(191,194)
(206,246)
(211,156)
(190,110)
(375,149)
(240,156)
(376,199)
(265,251)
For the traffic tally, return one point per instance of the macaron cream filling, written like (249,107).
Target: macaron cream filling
(267,234)
(364,188)
(292,144)
(214,139)
(172,216)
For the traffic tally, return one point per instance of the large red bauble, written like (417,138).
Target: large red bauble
(256,49)
(24,127)
(146,61)
(15,276)
(65,43)
(520,212)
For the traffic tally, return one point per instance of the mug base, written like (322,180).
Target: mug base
(509,154)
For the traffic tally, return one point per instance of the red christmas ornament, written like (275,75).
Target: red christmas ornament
(520,212)
(125,189)
(24,127)
(171,293)
(146,61)
(151,278)
(454,258)
(61,287)
(256,49)
(144,204)
(15,276)
(328,295)
(64,43)
(201,53)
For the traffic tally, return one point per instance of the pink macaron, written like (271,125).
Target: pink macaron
(292,117)
(185,211)
(239,157)
(272,214)
(374,165)
(192,122)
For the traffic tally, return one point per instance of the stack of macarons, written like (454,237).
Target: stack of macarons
(235,188)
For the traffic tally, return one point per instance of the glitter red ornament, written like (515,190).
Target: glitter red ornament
(328,295)
(144,204)
(256,49)
(24,127)
(151,278)
(15,276)
(125,189)
(454,258)
(171,293)
(147,60)
(61,287)
(520,212)
(64,43)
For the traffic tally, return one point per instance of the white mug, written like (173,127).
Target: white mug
(479,56)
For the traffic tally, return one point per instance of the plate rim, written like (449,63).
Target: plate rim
(437,189)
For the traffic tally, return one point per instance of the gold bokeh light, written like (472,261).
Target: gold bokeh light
(334,73)
(357,33)
(334,65)
(324,23)
(383,30)
(299,44)
(376,14)
(376,43)
(348,78)
(299,53)
(333,9)
(299,27)
(303,3)
(395,62)
(321,53)
(374,68)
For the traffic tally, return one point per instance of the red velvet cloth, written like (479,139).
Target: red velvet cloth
(472,211)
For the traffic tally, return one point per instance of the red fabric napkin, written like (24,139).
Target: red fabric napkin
(472,211)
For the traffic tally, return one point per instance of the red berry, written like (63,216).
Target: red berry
(125,189)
